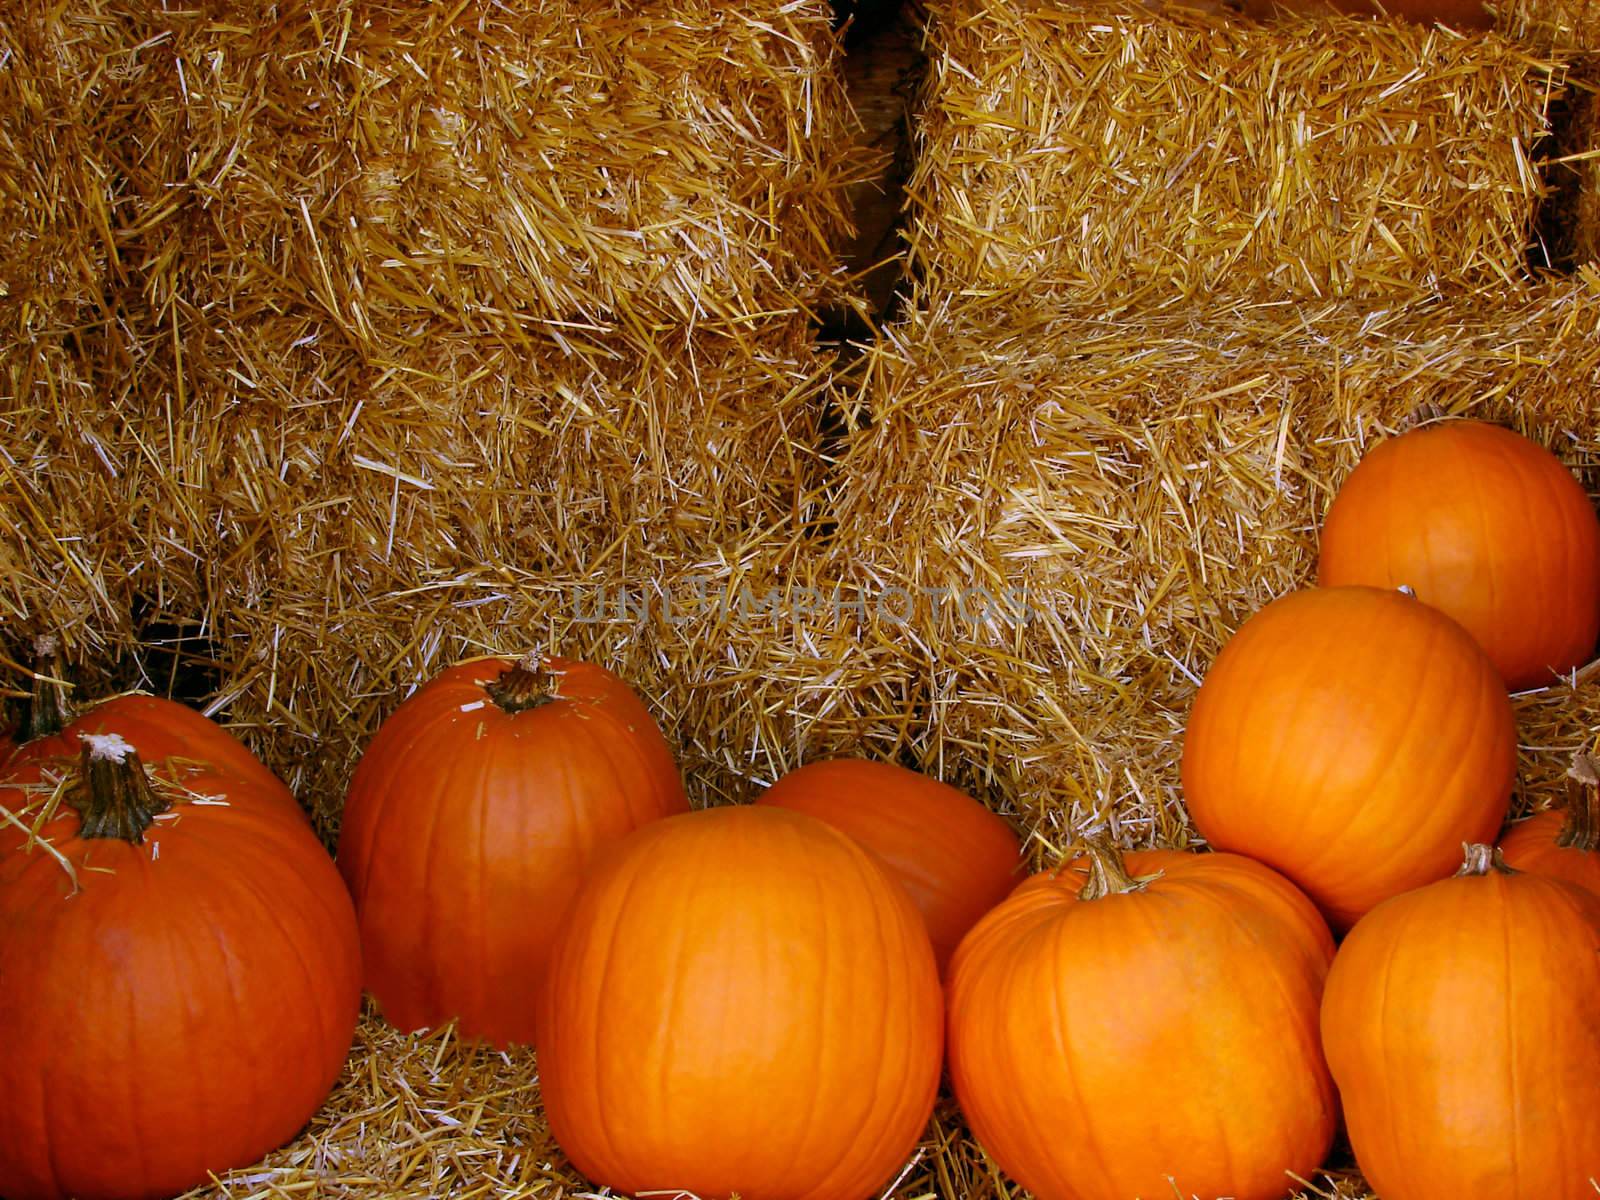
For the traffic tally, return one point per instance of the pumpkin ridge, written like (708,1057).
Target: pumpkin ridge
(1510,1011)
(868,873)
(1060,1028)
(1216,895)
(597,1043)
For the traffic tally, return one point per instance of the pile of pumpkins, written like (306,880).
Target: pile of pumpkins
(760,1000)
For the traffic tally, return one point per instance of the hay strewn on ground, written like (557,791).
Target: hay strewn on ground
(1114,157)
(422,1116)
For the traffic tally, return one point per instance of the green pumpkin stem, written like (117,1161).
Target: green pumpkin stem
(114,798)
(1582,829)
(1481,859)
(48,712)
(1107,874)
(525,685)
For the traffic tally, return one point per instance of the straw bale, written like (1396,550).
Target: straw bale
(637,168)
(54,227)
(1113,157)
(338,547)
(1147,484)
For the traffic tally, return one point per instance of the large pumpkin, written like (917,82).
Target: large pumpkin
(181,977)
(955,857)
(1351,738)
(1484,524)
(1462,1024)
(470,819)
(743,1001)
(1146,1031)
(1563,844)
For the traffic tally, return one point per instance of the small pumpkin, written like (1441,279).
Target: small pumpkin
(182,976)
(741,1001)
(1351,738)
(1562,844)
(1146,1027)
(471,817)
(1462,1024)
(955,858)
(1484,524)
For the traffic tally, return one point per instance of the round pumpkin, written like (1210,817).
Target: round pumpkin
(955,858)
(741,1001)
(471,817)
(182,977)
(1484,524)
(1462,1024)
(1562,844)
(1146,1029)
(1352,739)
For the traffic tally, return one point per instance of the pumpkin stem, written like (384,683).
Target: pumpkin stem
(1482,859)
(1582,830)
(48,712)
(114,798)
(527,684)
(1107,874)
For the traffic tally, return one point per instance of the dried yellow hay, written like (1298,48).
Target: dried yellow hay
(1147,484)
(644,171)
(1563,27)
(335,549)
(1111,156)
(638,168)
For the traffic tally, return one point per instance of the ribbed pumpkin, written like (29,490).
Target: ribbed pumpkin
(1352,739)
(1484,524)
(955,858)
(1462,1024)
(1146,1030)
(183,1000)
(470,819)
(742,1000)
(1562,844)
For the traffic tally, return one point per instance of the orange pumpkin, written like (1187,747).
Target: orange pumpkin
(741,1000)
(955,857)
(1562,845)
(1352,739)
(470,819)
(1462,1024)
(1113,1036)
(182,977)
(1484,524)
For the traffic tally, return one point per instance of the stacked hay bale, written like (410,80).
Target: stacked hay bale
(345,342)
